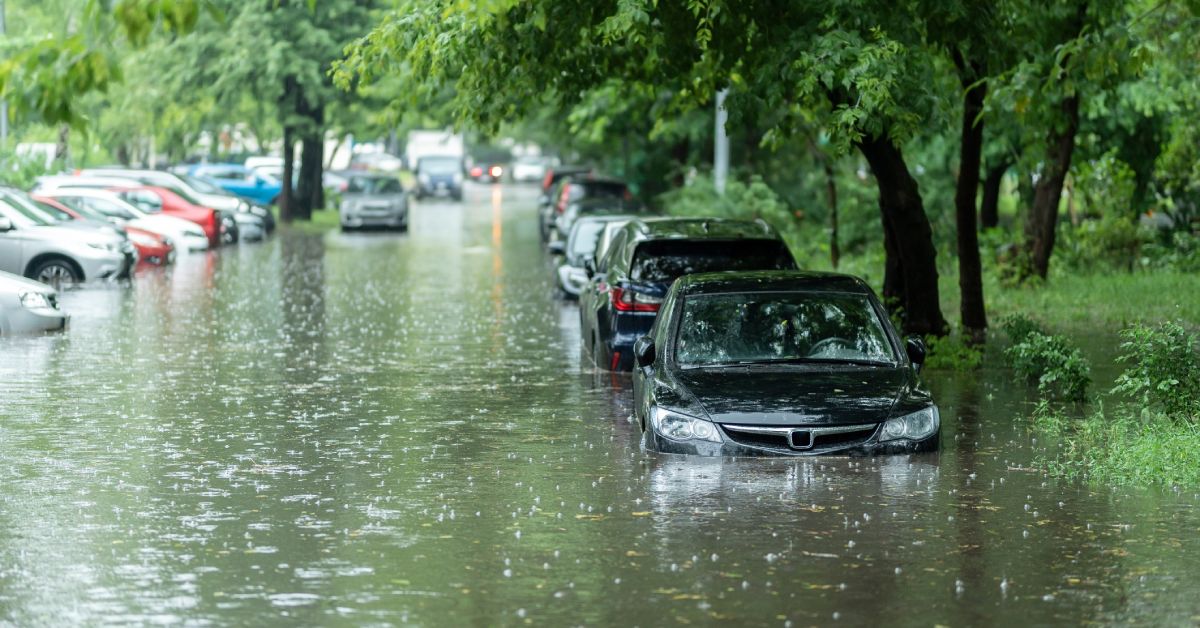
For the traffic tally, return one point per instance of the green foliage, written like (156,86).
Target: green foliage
(1112,242)
(741,200)
(1049,361)
(1174,250)
(1019,327)
(952,353)
(1121,447)
(1163,372)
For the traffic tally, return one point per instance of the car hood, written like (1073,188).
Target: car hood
(797,396)
(11,282)
(95,227)
(172,223)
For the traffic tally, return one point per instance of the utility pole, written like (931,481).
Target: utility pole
(3,103)
(721,145)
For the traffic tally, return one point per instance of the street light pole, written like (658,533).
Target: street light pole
(721,145)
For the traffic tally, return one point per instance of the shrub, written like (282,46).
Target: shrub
(952,353)
(1018,327)
(1114,241)
(1049,361)
(1163,372)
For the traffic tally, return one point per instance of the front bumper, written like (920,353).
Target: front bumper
(372,219)
(22,320)
(107,265)
(729,448)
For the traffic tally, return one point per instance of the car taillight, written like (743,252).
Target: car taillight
(476,172)
(624,300)
(548,181)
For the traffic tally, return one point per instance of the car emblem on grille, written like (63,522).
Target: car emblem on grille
(800,439)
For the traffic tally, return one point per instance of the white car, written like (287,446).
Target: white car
(187,235)
(34,246)
(27,306)
(526,169)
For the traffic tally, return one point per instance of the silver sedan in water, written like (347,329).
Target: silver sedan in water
(373,200)
(27,306)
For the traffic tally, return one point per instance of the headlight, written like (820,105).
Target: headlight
(677,426)
(916,426)
(106,246)
(458,178)
(34,300)
(423,178)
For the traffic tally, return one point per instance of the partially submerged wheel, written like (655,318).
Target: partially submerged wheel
(56,272)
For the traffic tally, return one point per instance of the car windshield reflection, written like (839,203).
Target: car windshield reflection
(799,328)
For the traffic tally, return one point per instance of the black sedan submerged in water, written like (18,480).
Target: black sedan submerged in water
(779,363)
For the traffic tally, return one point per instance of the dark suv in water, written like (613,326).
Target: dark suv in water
(439,175)
(576,188)
(626,286)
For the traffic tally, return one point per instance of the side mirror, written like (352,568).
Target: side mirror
(5,224)
(589,267)
(914,346)
(643,351)
(557,247)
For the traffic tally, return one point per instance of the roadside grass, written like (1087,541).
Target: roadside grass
(1151,435)
(323,220)
(1121,447)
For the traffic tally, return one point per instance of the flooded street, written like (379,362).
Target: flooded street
(350,429)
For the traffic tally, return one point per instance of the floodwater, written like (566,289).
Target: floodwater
(379,429)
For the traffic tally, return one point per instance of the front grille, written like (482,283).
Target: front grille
(52,299)
(808,438)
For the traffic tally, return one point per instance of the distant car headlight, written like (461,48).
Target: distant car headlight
(677,426)
(458,178)
(916,426)
(34,300)
(423,178)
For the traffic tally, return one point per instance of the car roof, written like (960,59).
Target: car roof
(663,228)
(770,281)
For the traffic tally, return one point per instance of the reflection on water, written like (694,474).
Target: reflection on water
(378,428)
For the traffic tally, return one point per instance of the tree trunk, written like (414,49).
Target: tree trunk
(62,149)
(286,196)
(835,253)
(1043,215)
(310,165)
(912,258)
(989,206)
(970,270)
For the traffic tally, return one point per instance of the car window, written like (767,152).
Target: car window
(584,238)
(609,253)
(201,186)
(108,208)
(26,207)
(143,200)
(374,185)
(21,216)
(57,214)
(773,327)
(666,260)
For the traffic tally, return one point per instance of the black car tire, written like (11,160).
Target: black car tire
(56,271)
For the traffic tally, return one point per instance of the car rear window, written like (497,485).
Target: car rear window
(667,260)
(598,189)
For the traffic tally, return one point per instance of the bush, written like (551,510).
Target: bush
(1018,327)
(1176,250)
(1164,369)
(952,353)
(1057,368)
(1114,241)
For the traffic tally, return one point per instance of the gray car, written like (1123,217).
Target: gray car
(373,200)
(32,245)
(27,306)
(581,245)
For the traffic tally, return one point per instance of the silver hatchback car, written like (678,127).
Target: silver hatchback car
(27,306)
(373,200)
(33,245)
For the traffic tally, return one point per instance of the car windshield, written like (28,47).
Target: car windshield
(374,185)
(438,165)
(662,261)
(787,327)
(585,237)
(27,212)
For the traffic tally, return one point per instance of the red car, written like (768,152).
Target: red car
(154,200)
(153,248)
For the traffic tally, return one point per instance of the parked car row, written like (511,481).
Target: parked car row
(733,350)
(102,224)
